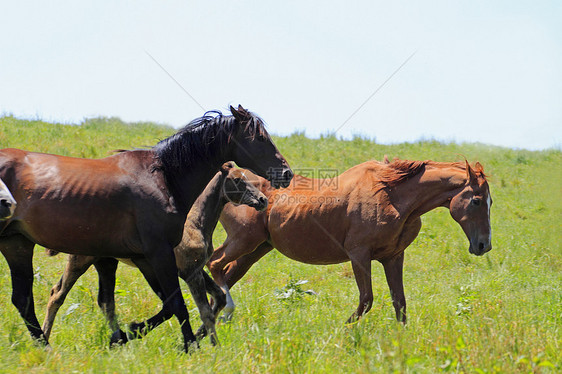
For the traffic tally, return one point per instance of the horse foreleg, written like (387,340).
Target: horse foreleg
(163,264)
(393,271)
(235,270)
(137,330)
(218,301)
(393,268)
(75,267)
(18,251)
(361,265)
(198,291)
(106,268)
(219,298)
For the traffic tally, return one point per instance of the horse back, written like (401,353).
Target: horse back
(319,221)
(81,206)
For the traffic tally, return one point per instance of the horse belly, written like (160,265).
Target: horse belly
(89,231)
(308,238)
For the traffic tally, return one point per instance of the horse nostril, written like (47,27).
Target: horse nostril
(6,203)
(481,246)
(288,175)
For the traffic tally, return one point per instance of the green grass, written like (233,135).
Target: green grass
(498,313)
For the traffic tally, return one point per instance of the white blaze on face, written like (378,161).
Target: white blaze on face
(5,194)
(4,191)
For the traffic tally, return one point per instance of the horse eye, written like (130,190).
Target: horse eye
(476,201)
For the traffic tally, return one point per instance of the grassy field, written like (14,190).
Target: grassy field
(498,313)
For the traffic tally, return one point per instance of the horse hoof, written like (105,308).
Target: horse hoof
(119,337)
(136,330)
(191,347)
(201,332)
(226,316)
(215,340)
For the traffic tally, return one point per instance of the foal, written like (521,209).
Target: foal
(228,185)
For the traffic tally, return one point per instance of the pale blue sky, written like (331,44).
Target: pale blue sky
(486,71)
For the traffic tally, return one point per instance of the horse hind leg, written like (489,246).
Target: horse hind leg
(75,267)
(18,252)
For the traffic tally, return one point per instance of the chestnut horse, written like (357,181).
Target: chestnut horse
(132,204)
(370,212)
(7,202)
(195,249)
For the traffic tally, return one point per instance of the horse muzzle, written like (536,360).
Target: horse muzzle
(7,208)
(260,204)
(480,247)
(283,180)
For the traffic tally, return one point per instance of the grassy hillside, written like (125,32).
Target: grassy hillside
(498,313)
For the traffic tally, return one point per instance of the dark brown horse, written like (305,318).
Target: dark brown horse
(7,202)
(132,204)
(195,249)
(370,212)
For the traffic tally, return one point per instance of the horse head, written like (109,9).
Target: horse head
(238,189)
(471,209)
(255,150)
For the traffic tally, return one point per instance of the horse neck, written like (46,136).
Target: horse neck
(432,188)
(188,180)
(194,182)
(205,212)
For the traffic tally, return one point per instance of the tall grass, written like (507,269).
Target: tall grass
(498,313)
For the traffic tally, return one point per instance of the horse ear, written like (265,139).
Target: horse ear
(238,113)
(226,167)
(478,167)
(470,174)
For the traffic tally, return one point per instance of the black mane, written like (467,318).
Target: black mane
(203,141)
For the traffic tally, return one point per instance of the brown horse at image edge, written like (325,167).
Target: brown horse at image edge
(370,212)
